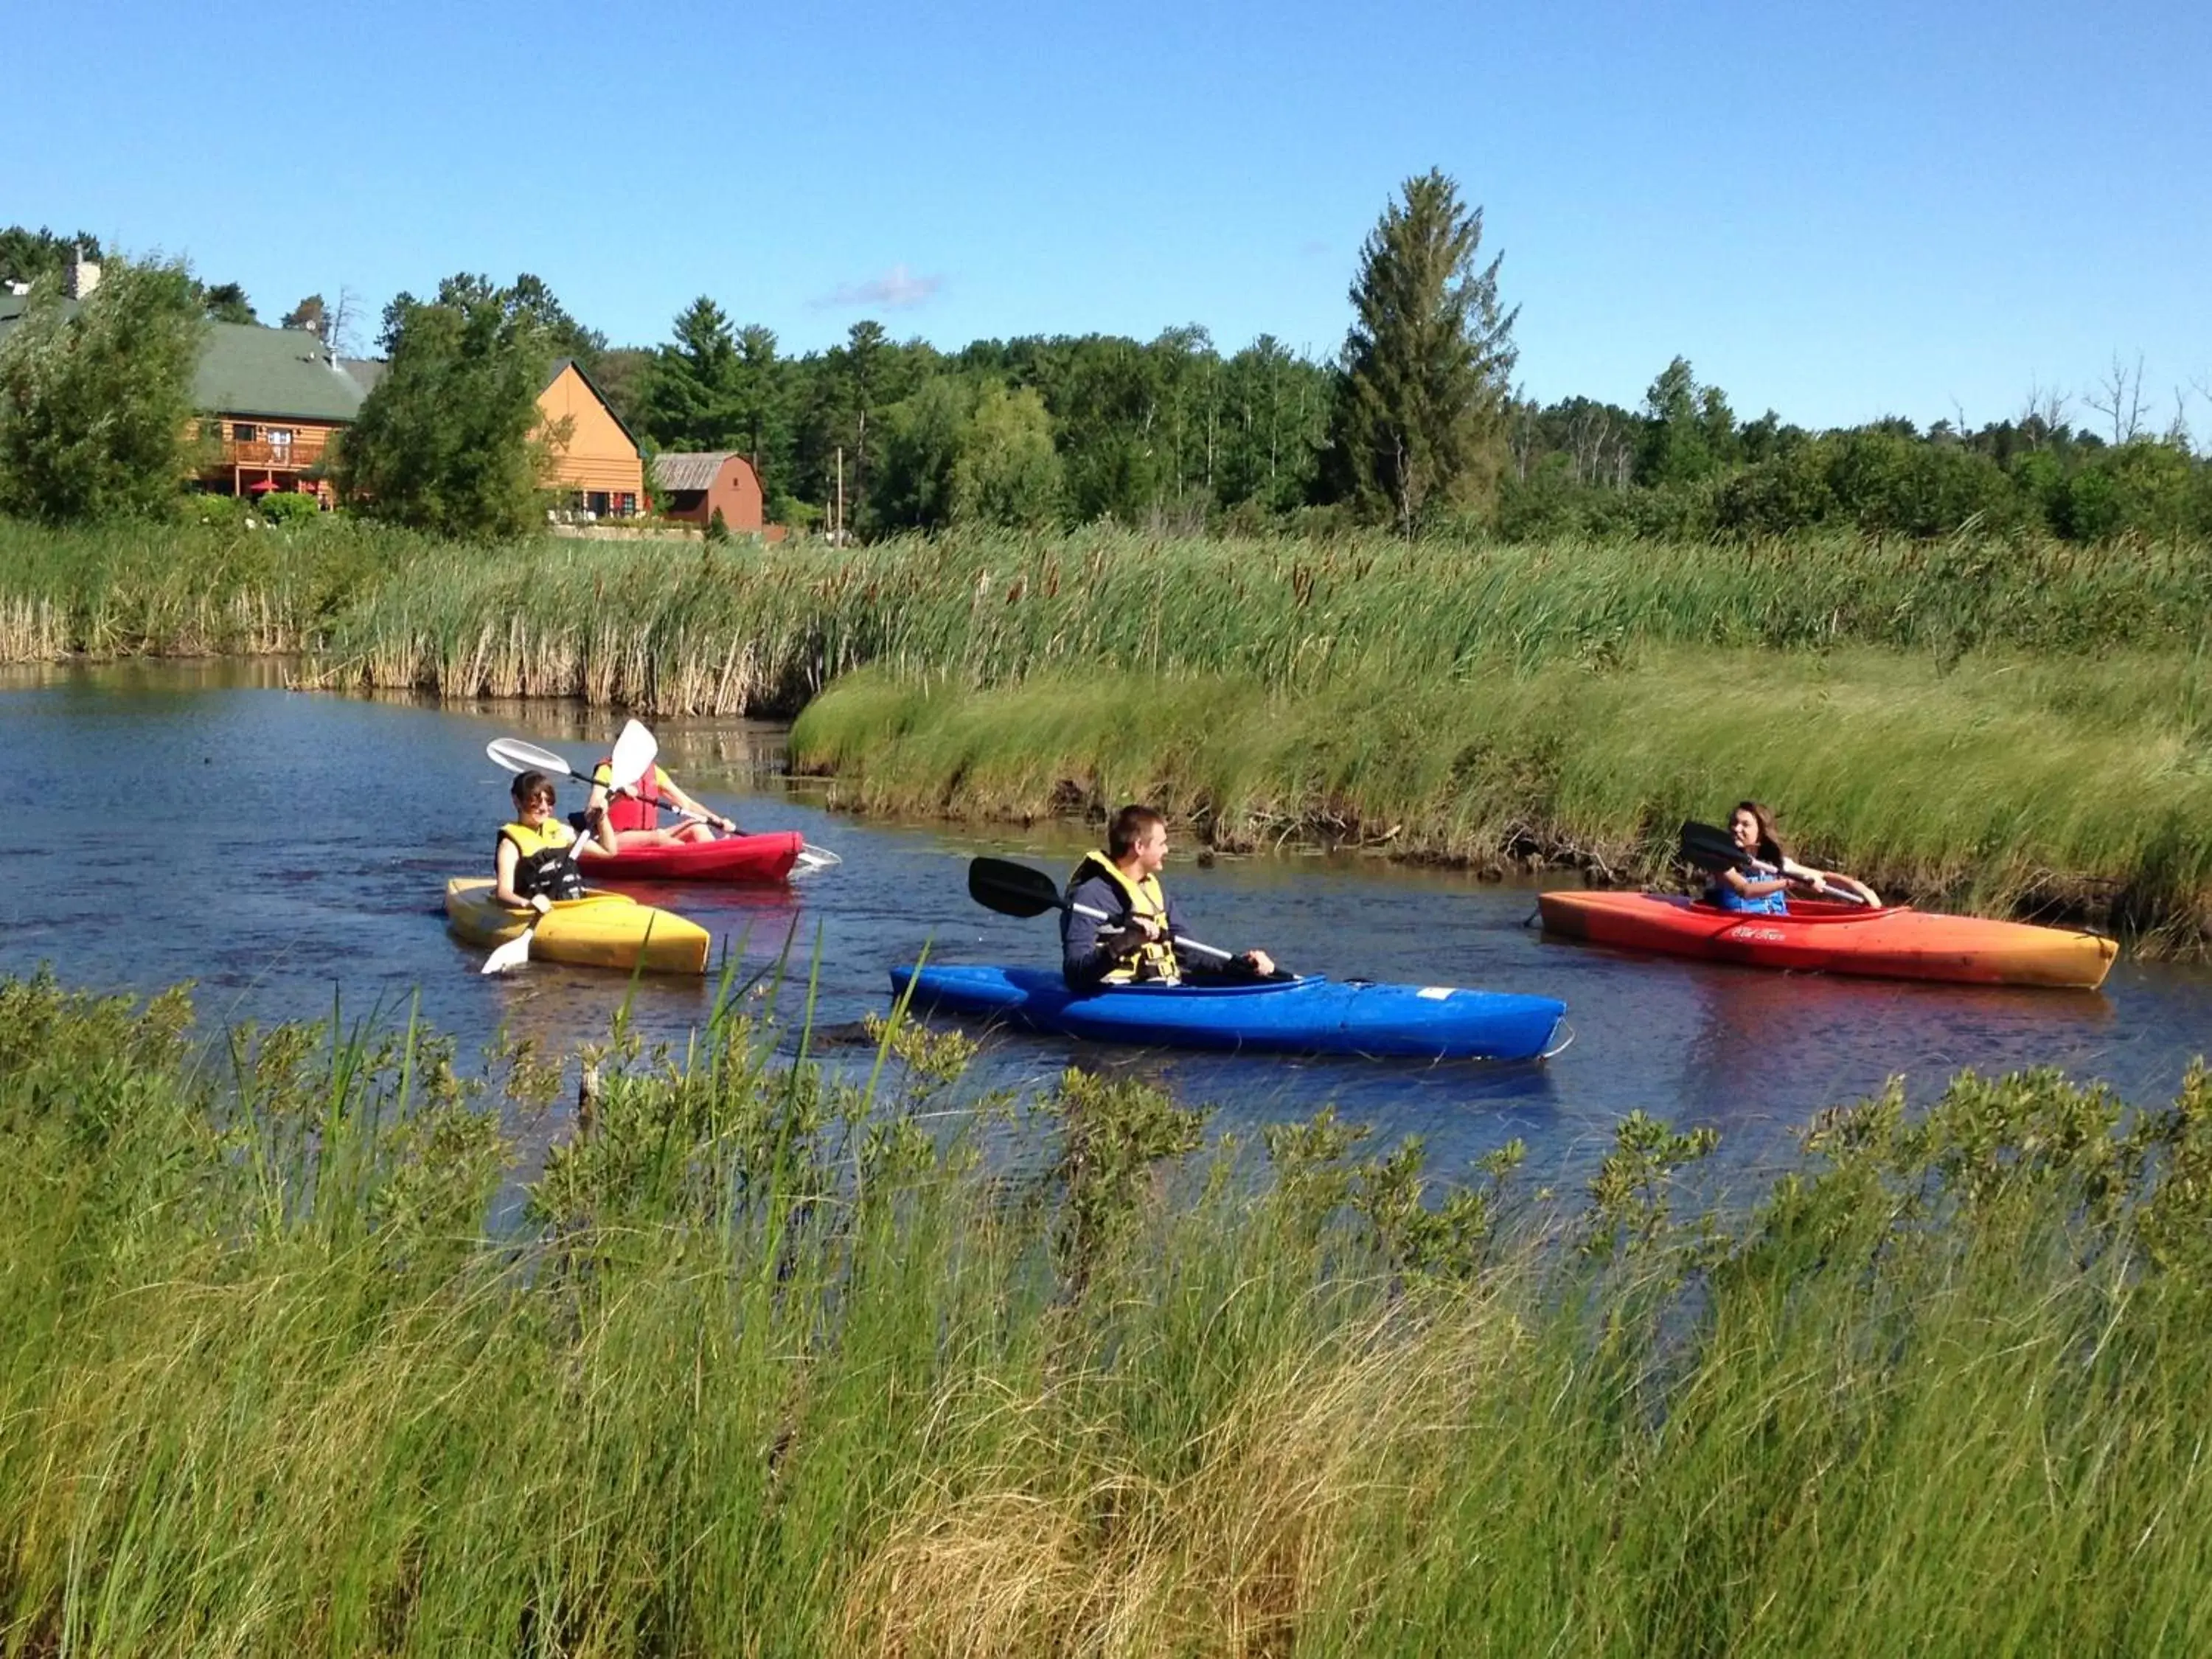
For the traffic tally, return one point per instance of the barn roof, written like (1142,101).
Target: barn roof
(694,470)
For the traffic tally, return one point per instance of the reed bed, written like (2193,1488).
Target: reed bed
(761,630)
(2053,785)
(187,589)
(772,1364)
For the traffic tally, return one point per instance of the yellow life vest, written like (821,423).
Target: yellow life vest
(1154,964)
(542,863)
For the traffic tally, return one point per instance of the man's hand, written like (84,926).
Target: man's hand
(1131,937)
(1262,963)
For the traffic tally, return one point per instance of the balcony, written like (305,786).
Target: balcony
(304,449)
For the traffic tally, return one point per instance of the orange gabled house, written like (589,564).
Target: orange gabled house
(597,465)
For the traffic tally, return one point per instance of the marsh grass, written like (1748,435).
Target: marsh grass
(749,629)
(1998,782)
(772,1364)
(185,588)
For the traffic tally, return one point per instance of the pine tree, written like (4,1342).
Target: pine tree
(1422,387)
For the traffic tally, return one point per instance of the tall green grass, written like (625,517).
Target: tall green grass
(2000,782)
(772,1364)
(185,588)
(761,630)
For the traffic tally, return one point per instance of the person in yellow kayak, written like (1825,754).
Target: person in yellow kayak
(1135,945)
(636,818)
(533,861)
(1762,886)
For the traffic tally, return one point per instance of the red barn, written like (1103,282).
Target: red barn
(691,486)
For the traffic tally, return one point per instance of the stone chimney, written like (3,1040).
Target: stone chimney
(81,275)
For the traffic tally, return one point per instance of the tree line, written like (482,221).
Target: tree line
(1414,421)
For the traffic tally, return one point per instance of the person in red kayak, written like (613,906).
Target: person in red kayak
(636,819)
(533,861)
(1135,945)
(1761,886)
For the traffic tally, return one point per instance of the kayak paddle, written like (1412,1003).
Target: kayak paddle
(1015,889)
(516,756)
(1711,848)
(633,758)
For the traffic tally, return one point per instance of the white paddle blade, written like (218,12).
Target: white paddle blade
(513,754)
(636,750)
(812,858)
(512,954)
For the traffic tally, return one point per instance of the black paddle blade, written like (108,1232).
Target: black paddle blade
(1709,848)
(1010,888)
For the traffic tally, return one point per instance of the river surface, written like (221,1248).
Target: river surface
(283,849)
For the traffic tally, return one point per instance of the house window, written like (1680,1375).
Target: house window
(280,439)
(625,505)
(596,502)
(242,431)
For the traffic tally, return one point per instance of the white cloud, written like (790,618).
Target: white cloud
(897,290)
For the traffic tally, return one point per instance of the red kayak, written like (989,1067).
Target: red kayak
(1894,942)
(733,859)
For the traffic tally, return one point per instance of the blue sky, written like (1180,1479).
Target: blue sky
(1839,212)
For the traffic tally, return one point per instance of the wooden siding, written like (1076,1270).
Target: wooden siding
(597,454)
(310,440)
(736,490)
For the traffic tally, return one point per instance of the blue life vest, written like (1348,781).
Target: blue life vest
(1775,903)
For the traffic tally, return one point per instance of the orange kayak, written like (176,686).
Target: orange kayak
(1895,942)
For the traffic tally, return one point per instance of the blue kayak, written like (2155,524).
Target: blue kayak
(1309,1015)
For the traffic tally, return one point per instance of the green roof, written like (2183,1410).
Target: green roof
(278,373)
(248,370)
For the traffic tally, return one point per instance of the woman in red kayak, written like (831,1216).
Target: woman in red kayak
(1761,885)
(636,818)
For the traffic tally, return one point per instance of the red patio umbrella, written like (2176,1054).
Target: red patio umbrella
(260,487)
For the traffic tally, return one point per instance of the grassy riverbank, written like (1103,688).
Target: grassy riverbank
(2001,782)
(766,1367)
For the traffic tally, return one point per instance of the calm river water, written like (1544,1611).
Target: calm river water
(200,822)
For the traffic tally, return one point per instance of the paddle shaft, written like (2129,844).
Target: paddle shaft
(1177,939)
(1016,889)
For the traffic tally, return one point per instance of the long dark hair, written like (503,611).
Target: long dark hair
(1769,844)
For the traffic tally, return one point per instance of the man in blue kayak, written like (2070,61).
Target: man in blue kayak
(1135,945)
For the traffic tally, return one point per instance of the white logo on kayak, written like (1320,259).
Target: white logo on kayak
(1437,993)
(1758,935)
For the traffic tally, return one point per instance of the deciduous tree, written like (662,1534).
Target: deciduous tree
(448,441)
(95,401)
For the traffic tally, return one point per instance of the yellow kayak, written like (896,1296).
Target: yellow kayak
(599,930)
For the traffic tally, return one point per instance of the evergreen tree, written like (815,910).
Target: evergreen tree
(27,255)
(95,403)
(689,398)
(759,420)
(227,303)
(1427,366)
